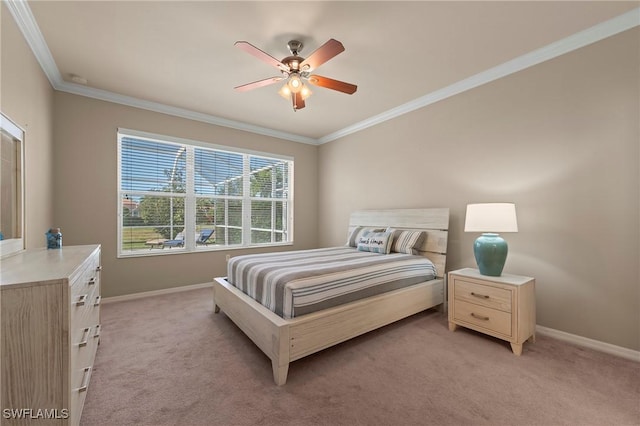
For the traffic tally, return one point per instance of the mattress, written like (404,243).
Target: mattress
(296,283)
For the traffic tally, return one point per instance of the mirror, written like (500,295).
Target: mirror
(11,188)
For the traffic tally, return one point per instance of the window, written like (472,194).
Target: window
(170,189)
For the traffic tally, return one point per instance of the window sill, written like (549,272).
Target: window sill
(207,249)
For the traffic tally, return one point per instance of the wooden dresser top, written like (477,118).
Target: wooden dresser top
(43,265)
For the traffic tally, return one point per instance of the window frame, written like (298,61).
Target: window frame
(191,197)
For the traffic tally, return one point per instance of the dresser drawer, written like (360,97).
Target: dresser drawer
(87,280)
(83,346)
(82,356)
(481,316)
(483,295)
(83,313)
(79,385)
(84,297)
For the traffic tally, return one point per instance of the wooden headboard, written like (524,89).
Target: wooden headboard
(435,222)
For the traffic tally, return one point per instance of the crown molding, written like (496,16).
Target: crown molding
(104,95)
(591,35)
(26,22)
(28,26)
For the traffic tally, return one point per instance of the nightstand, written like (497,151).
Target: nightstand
(503,307)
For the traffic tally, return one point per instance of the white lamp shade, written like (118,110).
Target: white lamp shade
(491,217)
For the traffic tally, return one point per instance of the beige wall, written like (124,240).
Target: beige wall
(86,189)
(26,97)
(561,140)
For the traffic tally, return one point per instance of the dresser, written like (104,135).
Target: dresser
(503,307)
(50,311)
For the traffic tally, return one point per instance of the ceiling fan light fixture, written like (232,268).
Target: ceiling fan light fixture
(285,92)
(305,92)
(295,83)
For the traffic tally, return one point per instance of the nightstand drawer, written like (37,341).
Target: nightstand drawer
(484,295)
(487,318)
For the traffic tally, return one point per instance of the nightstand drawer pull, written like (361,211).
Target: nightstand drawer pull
(481,296)
(92,281)
(97,302)
(479,316)
(99,268)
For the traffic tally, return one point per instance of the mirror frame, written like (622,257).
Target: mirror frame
(15,245)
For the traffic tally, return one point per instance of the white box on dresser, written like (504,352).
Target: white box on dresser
(50,314)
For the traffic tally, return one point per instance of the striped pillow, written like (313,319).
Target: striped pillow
(407,241)
(358,232)
(376,242)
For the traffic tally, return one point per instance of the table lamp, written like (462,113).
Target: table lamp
(490,249)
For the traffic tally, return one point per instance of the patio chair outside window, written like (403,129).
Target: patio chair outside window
(201,239)
(177,242)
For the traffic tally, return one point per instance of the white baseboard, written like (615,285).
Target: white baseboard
(590,343)
(155,293)
(557,334)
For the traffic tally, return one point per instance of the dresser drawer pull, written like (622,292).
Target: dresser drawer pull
(97,333)
(92,281)
(81,300)
(85,380)
(481,296)
(99,268)
(85,337)
(479,316)
(97,302)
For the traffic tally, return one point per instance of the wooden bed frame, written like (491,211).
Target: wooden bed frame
(286,340)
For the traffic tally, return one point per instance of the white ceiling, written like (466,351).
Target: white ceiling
(179,56)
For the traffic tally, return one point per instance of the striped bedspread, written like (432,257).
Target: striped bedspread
(296,283)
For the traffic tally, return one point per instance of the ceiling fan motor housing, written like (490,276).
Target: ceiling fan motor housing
(295,47)
(293,62)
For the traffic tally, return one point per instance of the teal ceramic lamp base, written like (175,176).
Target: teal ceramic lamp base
(490,251)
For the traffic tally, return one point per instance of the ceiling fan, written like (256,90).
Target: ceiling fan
(296,70)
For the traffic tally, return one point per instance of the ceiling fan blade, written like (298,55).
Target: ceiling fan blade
(263,56)
(259,83)
(330,83)
(322,54)
(298,102)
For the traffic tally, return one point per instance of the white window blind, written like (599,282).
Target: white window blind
(170,190)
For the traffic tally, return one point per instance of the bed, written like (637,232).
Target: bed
(298,330)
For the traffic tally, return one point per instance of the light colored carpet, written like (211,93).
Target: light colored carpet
(168,360)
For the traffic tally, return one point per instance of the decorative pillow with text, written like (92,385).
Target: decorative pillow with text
(376,242)
(358,231)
